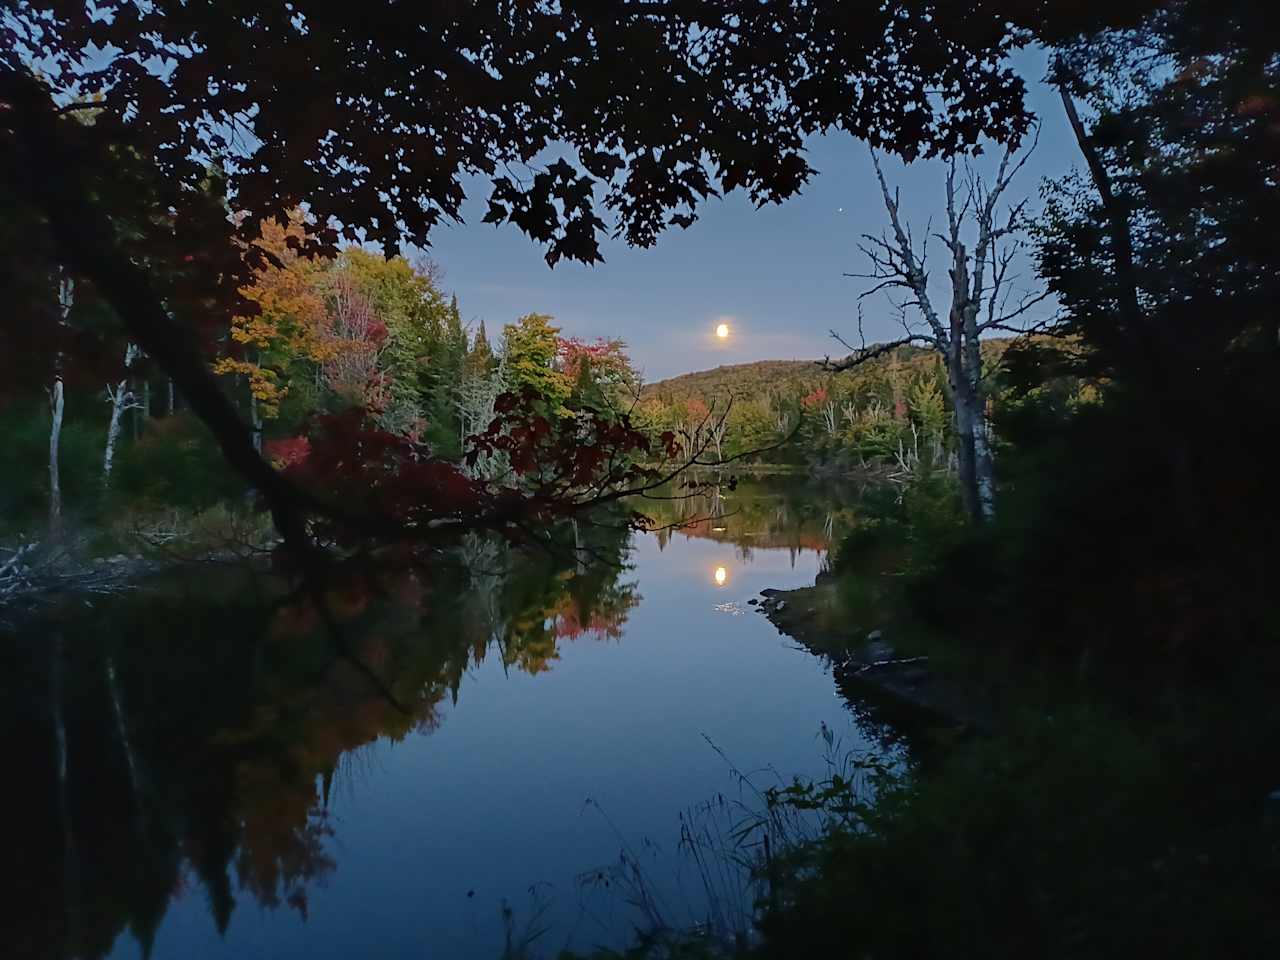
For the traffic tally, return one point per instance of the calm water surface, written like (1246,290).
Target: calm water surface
(209,779)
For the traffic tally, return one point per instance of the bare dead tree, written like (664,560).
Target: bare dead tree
(983,299)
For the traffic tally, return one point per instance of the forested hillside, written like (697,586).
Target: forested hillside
(737,379)
(890,412)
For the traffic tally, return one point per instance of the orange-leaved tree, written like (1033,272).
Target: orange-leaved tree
(289,322)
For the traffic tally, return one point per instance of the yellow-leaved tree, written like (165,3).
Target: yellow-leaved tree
(289,326)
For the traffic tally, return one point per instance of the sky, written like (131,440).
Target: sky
(774,274)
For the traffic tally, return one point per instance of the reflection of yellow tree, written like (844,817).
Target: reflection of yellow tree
(255,713)
(282,837)
(758,514)
(571,604)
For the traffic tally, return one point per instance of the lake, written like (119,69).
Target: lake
(452,762)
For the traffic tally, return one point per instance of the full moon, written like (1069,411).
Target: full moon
(722,331)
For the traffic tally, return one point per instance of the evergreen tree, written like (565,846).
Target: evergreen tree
(480,360)
(445,383)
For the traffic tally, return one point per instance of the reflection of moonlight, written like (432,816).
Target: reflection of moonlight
(722,331)
(721,576)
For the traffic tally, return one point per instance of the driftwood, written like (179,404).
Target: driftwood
(892,662)
(29,575)
(13,572)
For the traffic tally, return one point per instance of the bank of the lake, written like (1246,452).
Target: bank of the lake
(898,688)
(1119,799)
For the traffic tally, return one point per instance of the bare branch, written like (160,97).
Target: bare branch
(909,269)
(861,356)
(1003,320)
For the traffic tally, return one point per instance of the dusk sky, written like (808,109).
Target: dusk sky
(775,274)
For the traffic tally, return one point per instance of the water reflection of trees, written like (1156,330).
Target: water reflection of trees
(756,513)
(189,736)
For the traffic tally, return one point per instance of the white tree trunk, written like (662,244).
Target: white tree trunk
(122,399)
(983,466)
(979,288)
(118,399)
(55,435)
(255,419)
(66,298)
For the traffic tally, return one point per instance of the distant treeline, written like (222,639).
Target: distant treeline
(891,412)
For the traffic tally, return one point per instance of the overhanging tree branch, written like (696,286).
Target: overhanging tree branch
(1117,218)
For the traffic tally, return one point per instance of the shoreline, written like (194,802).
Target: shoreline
(896,691)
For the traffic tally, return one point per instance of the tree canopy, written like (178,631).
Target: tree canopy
(374,120)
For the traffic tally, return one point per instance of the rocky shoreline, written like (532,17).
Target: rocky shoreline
(898,691)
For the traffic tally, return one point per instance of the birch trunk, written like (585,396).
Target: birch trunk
(255,419)
(962,406)
(55,434)
(66,298)
(171,398)
(983,465)
(113,428)
(959,378)
(122,399)
(135,421)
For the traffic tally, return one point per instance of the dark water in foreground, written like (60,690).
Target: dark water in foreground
(200,774)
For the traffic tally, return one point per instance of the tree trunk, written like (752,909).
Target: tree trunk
(55,434)
(255,420)
(964,373)
(118,401)
(966,452)
(171,397)
(86,241)
(122,399)
(963,402)
(135,420)
(66,298)
(983,465)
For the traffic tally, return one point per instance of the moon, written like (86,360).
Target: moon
(722,331)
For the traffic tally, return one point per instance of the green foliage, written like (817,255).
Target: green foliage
(928,405)
(530,347)
(176,463)
(24,483)
(1057,840)
(425,343)
(858,419)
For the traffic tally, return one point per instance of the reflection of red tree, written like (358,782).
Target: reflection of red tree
(569,625)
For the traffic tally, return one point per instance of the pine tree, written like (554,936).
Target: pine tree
(480,360)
